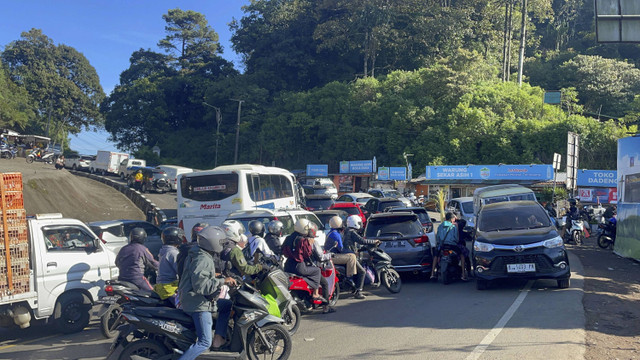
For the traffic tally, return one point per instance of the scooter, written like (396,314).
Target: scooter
(607,236)
(46,157)
(303,294)
(450,267)
(576,233)
(8,152)
(275,284)
(376,259)
(165,333)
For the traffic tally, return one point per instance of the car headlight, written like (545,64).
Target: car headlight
(482,247)
(553,243)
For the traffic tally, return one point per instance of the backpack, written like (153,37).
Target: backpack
(288,246)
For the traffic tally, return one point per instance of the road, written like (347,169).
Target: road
(514,319)
(166,202)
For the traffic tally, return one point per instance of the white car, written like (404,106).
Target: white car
(173,172)
(360,198)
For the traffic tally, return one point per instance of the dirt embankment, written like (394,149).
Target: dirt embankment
(47,190)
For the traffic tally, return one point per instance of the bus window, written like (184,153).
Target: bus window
(209,187)
(269,187)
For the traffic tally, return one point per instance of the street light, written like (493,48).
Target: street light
(218,120)
(235,157)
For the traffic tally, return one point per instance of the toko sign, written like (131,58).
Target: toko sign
(490,172)
(597,178)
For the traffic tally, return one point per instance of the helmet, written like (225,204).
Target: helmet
(256,227)
(137,235)
(196,228)
(275,227)
(335,222)
(234,230)
(313,230)
(211,238)
(172,236)
(355,222)
(302,226)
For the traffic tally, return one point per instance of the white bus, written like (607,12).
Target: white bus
(210,196)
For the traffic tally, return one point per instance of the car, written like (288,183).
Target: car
(115,234)
(319,186)
(326,215)
(79,162)
(462,207)
(517,239)
(403,238)
(287,216)
(360,198)
(153,179)
(423,216)
(351,208)
(378,205)
(318,202)
(385,193)
(173,172)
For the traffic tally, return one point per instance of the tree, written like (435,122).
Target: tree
(15,104)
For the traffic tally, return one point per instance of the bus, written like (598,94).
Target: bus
(210,196)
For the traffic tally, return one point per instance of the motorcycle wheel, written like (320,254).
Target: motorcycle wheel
(446,278)
(29,159)
(391,280)
(110,321)
(291,319)
(145,348)
(335,296)
(278,338)
(577,237)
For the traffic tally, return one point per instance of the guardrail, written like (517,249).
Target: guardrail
(154,214)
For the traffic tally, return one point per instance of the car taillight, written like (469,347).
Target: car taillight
(447,252)
(181,225)
(421,240)
(109,290)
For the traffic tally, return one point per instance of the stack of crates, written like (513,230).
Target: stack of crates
(14,240)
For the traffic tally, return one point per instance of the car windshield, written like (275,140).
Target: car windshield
(387,204)
(512,218)
(403,226)
(467,207)
(391,193)
(318,204)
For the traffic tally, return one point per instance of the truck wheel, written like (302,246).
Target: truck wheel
(143,188)
(73,167)
(563,283)
(121,176)
(71,313)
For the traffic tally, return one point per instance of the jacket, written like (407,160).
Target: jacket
(447,234)
(132,260)
(168,268)
(198,282)
(334,241)
(240,263)
(273,242)
(351,240)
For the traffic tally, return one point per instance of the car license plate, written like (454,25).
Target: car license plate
(392,244)
(108,299)
(520,268)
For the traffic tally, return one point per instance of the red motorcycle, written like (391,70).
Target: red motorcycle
(302,293)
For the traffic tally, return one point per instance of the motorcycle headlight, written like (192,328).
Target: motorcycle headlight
(482,247)
(553,243)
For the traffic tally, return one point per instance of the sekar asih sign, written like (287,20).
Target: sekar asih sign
(490,172)
(597,178)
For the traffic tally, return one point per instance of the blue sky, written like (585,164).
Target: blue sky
(108,32)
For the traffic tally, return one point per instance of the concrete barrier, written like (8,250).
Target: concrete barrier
(154,214)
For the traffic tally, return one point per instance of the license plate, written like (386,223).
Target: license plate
(108,299)
(520,268)
(392,244)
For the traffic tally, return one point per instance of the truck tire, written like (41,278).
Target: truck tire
(71,313)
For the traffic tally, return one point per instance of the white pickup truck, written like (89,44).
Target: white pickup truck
(67,267)
(124,169)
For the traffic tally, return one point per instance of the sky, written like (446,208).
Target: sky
(108,32)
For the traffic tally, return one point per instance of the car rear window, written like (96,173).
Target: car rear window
(387,204)
(350,210)
(116,230)
(311,217)
(209,187)
(514,218)
(319,204)
(404,225)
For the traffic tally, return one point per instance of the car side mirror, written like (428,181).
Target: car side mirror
(433,220)
(96,245)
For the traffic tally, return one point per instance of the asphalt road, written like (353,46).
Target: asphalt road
(514,319)
(167,201)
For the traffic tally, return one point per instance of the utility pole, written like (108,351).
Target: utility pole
(523,36)
(218,120)
(235,157)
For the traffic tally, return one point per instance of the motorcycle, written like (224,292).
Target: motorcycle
(275,284)
(607,235)
(8,152)
(303,294)
(379,262)
(575,233)
(450,266)
(38,155)
(166,333)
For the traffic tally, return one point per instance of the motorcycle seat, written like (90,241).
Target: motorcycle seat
(146,293)
(164,312)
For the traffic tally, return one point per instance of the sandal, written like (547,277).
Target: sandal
(329,310)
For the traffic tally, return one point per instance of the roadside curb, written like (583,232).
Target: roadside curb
(153,213)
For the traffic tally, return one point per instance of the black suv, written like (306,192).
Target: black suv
(318,202)
(378,205)
(403,238)
(516,239)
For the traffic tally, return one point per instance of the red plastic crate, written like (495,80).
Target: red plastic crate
(12,181)
(17,217)
(13,200)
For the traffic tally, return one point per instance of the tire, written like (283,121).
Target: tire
(482,284)
(143,188)
(336,295)
(29,159)
(146,348)
(577,237)
(563,283)
(121,176)
(103,173)
(603,242)
(292,319)
(391,280)
(277,335)
(446,278)
(71,313)
(73,167)
(110,321)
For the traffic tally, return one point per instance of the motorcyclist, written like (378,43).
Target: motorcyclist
(257,244)
(447,237)
(274,228)
(168,276)
(233,252)
(334,244)
(134,258)
(198,287)
(318,258)
(138,178)
(573,214)
(351,238)
(183,250)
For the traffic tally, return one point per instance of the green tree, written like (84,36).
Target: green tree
(15,104)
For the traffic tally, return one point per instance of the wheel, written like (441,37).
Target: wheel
(391,280)
(577,237)
(49,161)
(291,319)
(110,321)
(603,242)
(73,167)
(335,296)
(71,313)
(29,159)
(446,278)
(102,172)
(482,284)
(149,349)
(278,338)
(143,188)
(563,283)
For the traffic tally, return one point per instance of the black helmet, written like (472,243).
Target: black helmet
(196,228)
(172,236)
(137,235)
(256,227)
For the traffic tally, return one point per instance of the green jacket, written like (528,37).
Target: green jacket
(198,282)
(240,263)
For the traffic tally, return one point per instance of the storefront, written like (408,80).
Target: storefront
(355,176)
(597,186)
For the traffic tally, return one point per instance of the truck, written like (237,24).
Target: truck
(124,170)
(51,267)
(107,162)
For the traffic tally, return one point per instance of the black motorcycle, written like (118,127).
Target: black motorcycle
(379,262)
(450,268)
(166,333)
(8,152)
(607,236)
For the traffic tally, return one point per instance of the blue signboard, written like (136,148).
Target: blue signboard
(383,173)
(317,170)
(344,167)
(552,97)
(597,178)
(360,166)
(490,172)
(398,173)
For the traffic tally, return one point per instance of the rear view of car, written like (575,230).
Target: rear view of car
(318,202)
(423,217)
(403,238)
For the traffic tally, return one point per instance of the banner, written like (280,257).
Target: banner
(317,170)
(383,173)
(398,173)
(597,178)
(490,172)
(356,167)
(628,231)
(344,167)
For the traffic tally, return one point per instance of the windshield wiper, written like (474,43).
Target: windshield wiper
(503,229)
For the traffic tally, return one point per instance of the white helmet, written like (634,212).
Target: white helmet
(234,230)
(355,222)
(335,222)
(302,227)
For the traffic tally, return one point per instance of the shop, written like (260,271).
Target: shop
(597,186)
(355,176)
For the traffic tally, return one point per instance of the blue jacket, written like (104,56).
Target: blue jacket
(333,242)
(447,234)
(132,260)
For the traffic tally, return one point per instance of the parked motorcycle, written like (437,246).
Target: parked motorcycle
(450,267)
(303,294)
(379,262)
(607,236)
(8,152)
(39,155)
(166,333)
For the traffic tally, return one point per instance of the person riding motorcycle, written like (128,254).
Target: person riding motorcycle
(573,214)
(199,286)
(138,178)
(134,258)
(351,238)
(274,228)
(168,276)
(236,264)
(334,245)
(257,244)
(183,250)
(447,237)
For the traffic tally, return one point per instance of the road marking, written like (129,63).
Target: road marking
(27,342)
(484,344)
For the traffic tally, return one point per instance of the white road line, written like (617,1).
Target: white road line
(493,334)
